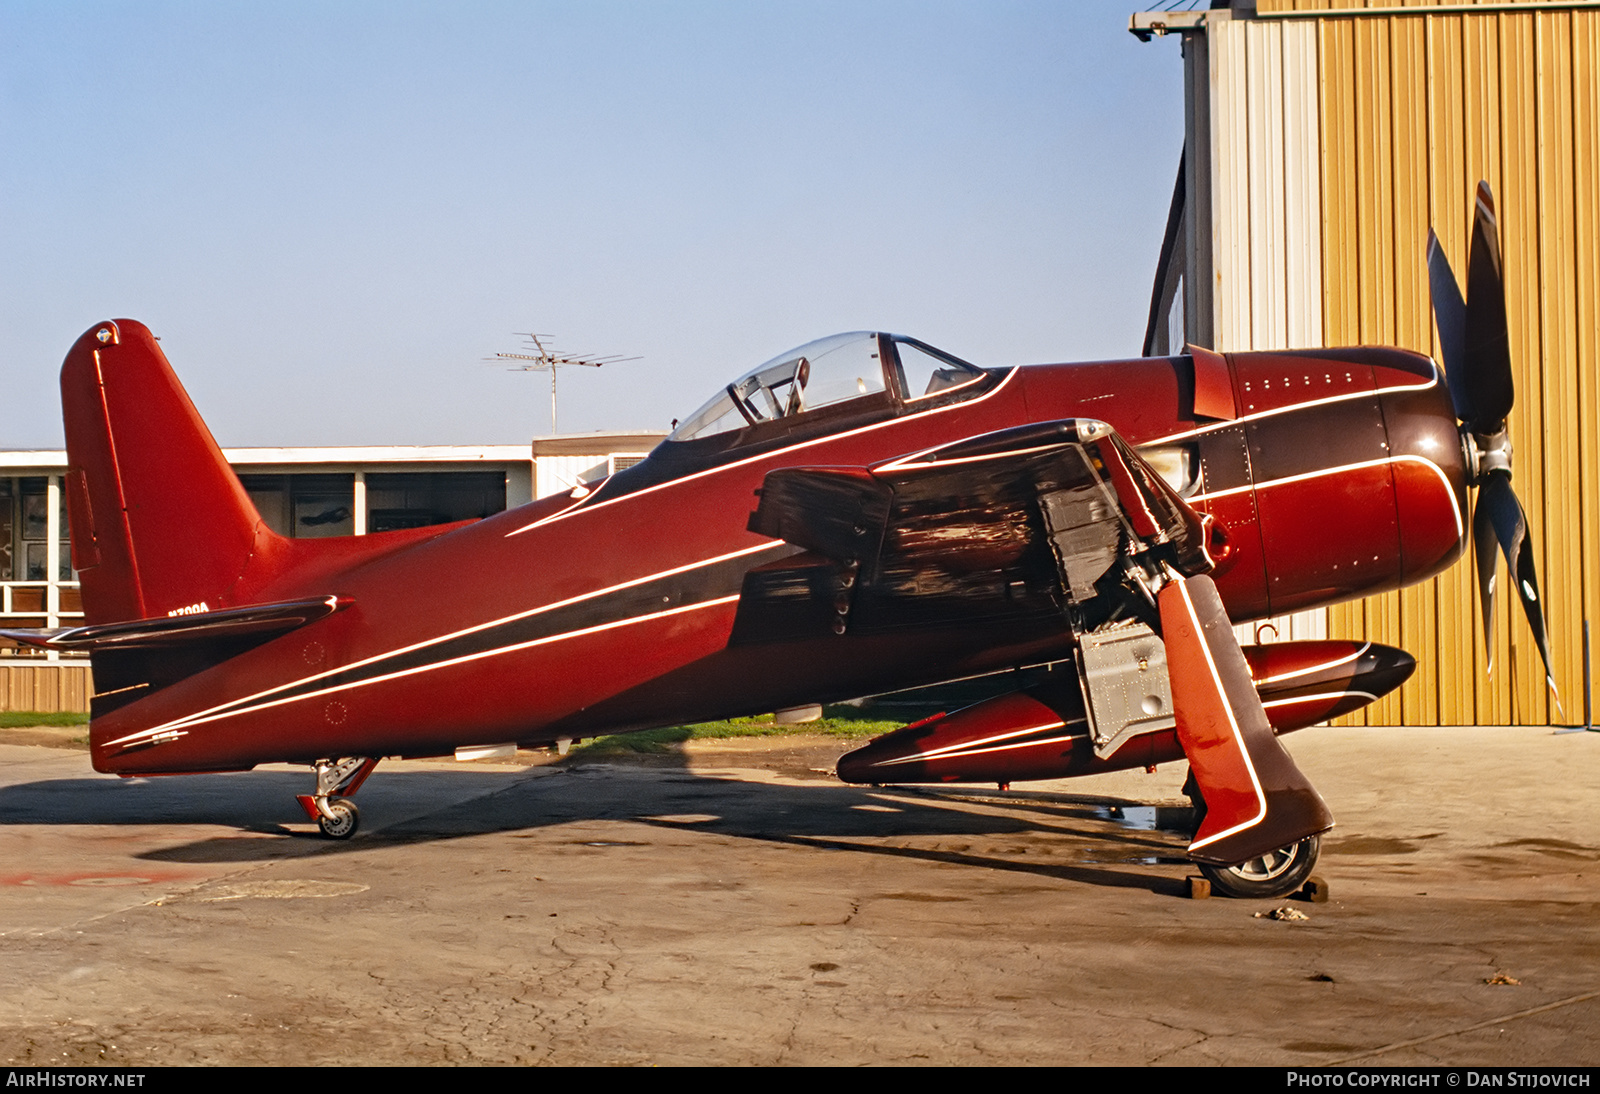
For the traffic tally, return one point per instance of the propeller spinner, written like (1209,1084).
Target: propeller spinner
(1475,343)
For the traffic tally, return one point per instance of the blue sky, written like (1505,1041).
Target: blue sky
(332,212)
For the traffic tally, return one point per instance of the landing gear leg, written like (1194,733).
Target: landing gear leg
(337,782)
(1197,800)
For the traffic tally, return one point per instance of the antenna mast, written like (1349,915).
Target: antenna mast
(547,359)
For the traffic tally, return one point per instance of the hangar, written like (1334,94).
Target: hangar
(1322,139)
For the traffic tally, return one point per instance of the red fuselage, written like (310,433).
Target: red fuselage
(1339,474)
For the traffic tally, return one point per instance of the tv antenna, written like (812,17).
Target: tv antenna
(545,358)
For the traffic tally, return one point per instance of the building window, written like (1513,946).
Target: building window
(304,506)
(34,541)
(307,506)
(419,499)
(8,503)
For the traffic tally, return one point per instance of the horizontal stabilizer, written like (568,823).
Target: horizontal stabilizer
(1257,800)
(260,621)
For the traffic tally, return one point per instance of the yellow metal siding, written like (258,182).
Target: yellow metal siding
(1414,110)
(1456,676)
(1586,231)
(1417,609)
(1562,539)
(1279,7)
(1341,271)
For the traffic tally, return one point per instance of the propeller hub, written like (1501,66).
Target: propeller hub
(1487,453)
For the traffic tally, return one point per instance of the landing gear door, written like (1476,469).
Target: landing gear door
(1126,690)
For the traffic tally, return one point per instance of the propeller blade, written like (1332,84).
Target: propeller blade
(1483,544)
(1475,342)
(1487,352)
(1257,799)
(1450,315)
(1510,523)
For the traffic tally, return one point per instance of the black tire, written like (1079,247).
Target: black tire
(1273,875)
(346,819)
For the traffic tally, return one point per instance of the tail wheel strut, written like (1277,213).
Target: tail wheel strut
(337,781)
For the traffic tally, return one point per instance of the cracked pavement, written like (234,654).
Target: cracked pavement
(730,904)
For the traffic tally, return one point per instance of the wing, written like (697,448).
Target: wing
(1051,526)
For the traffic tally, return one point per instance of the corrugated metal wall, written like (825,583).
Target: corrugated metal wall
(1266,239)
(1264,214)
(1413,109)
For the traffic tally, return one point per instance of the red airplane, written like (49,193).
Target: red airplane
(862,514)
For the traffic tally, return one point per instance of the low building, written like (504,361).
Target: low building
(302,493)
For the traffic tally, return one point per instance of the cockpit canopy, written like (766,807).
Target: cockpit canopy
(828,372)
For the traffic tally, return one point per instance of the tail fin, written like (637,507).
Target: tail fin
(160,524)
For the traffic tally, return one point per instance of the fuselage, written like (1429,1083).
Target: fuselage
(1339,473)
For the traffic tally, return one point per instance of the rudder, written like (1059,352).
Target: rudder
(160,523)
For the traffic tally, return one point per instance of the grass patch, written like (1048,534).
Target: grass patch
(13,719)
(843,722)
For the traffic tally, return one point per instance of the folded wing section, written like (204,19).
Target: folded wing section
(1059,524)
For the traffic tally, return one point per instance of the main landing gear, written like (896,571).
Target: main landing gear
(337,781)
(1275,874)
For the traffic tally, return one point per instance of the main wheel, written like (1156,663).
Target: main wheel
(1277,873)
(344,822)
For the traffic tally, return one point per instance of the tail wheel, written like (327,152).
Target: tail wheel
(1275,874)
(344,819)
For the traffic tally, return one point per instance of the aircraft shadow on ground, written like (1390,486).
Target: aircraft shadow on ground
(408,807)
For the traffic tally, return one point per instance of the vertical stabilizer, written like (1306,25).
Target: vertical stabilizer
(160,524)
